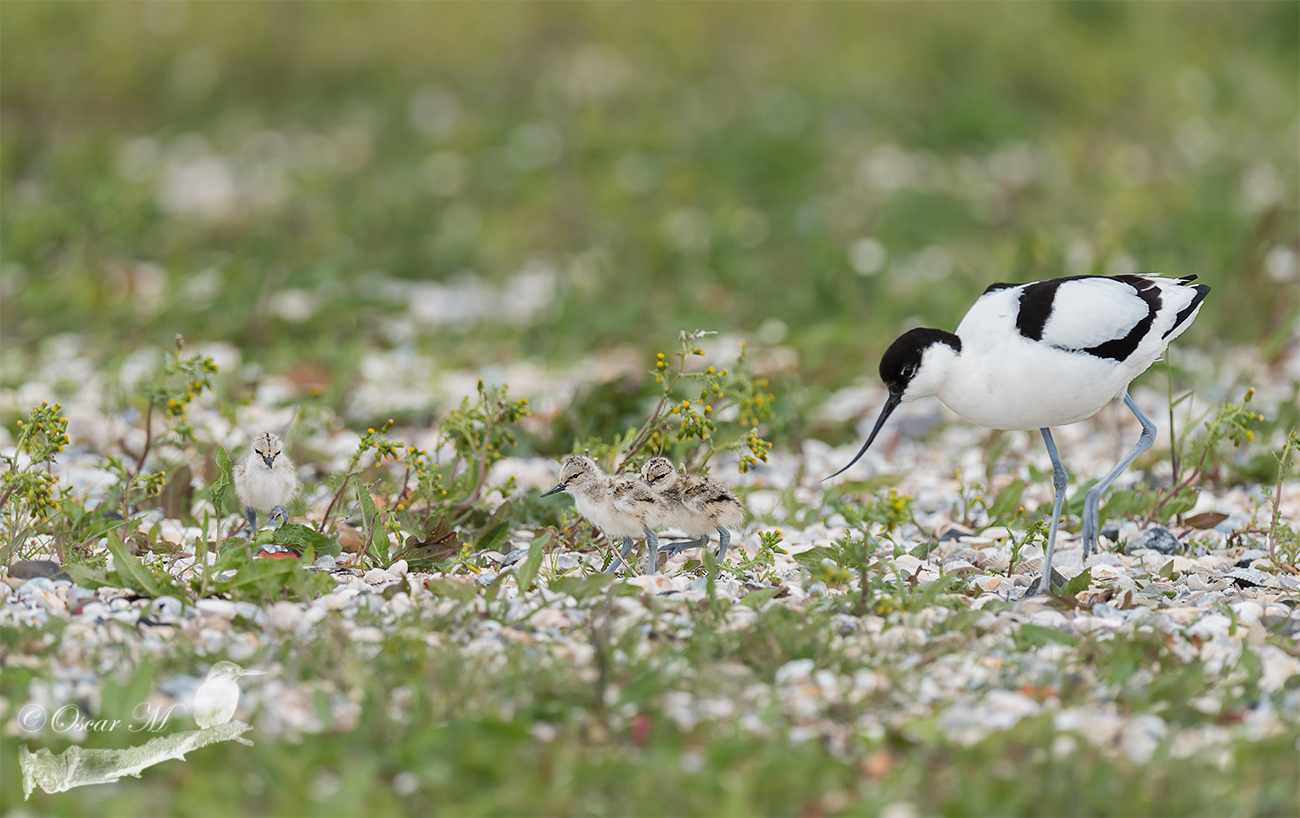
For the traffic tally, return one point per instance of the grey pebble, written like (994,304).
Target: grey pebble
(1285,625)
(1250,555)
(567,562)
(513,557)
(166,610)
(1157,539)
(31,586)
(32,569)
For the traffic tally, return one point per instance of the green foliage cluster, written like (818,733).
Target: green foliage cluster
(29,493)
(719,164)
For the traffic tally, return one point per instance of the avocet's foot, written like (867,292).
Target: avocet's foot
(1092,500)
(250,514)
(1091,521)
(724,539)
(621,559)
(674,548)
(1059,481)
(652,540)
(278,513)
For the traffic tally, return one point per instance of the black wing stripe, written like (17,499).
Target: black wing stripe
(1186,312)
(1120,348)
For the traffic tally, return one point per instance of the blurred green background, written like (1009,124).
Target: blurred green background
(501,180)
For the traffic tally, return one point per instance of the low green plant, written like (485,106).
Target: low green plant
(1283,539)
(763,561)
(383,448)
(684,423)
(175,384)
(30,497)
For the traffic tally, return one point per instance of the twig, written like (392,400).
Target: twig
(148,439)
(334,500)
(644,435)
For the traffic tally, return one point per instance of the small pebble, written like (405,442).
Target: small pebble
(30,569)
(1156,539)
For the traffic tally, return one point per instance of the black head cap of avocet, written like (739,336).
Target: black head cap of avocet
(911,368)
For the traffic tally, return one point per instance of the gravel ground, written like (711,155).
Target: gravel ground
(973,661)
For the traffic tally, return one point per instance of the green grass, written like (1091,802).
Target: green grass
(470,730)
(734,116)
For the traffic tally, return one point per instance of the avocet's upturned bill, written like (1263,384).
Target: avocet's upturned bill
(1033,356)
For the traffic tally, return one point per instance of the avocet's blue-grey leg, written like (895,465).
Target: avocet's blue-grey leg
(652,540)
(279,512)
(1091,513)
(678,547)
(250,514)
(724,539)
(621,558)
(1059,481)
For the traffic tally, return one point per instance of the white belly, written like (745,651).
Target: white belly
(1048,388)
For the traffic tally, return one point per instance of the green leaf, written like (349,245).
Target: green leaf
(1037,635)
(1080,583)
(134,575)
(1182,503)
(493,533)
(300,537)
(527,573)
(581,588)
(222,482)
(1007,501)
(265,580)
(813,557)
(493,589)
(452,589)
(87,577)
(368,511)
(755,599)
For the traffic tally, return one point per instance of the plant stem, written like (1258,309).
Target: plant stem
(648,430)
(1174,459)
(334,500)
(482,472)
(1277,494)
(148,439)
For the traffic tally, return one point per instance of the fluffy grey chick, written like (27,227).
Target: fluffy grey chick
(617,505)
(692,503)
(265,480)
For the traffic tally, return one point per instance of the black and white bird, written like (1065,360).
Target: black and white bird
(1048,353)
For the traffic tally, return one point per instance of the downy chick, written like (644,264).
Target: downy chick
(692,503)
(265,480)
(617,505)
